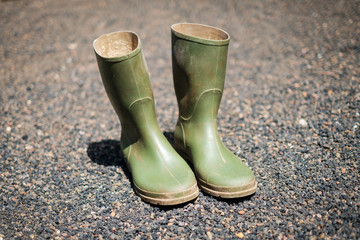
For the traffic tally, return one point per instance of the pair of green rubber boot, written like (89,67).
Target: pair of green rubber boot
(159,173)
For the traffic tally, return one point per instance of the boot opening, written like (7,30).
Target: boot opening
(201,31)
(116,44)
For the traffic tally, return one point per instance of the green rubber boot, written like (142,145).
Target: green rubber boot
(159,174)
(199,55)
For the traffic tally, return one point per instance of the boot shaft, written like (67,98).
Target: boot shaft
(199,56)
(126,80)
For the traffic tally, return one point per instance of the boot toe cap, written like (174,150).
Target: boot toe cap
(228,183)
(169,191)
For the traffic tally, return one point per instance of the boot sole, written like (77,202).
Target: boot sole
(224,192)
(167,199)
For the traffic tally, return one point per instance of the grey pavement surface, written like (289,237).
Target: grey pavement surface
(290,110)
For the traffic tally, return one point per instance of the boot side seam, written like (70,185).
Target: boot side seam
(139,100)
(183,133)
(128,156)
(219,150)
(198,100)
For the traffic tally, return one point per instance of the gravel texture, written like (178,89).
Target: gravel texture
(290,110)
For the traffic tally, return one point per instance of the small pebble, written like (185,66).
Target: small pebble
(241,212)
(28,147)
(303,123)
(239,235)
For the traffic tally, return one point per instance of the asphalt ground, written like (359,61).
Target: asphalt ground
(290,110)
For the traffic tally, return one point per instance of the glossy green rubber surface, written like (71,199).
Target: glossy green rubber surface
(199,55)
(159,174)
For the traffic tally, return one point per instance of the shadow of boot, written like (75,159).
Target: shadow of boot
(170,137)
(108,153)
